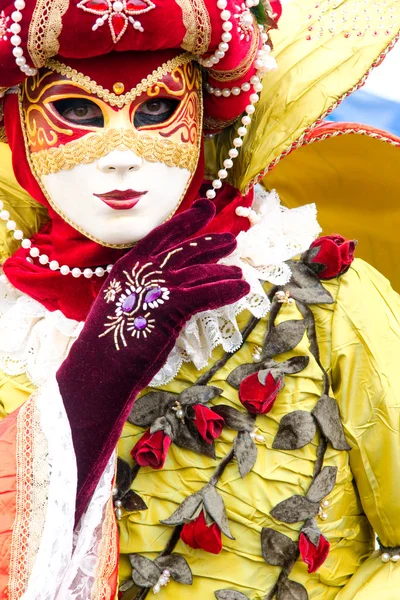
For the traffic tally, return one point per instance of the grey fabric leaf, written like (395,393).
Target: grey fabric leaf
(144,572)
(132,502)
(198,394)
(236,377)
(187,436)
(124,476)
(327,414)
(309,255)
(294,509)
(215,507)
(245,452)
(163,424)
(296,430)
(322,485)
(185,512)
(178,567)
(312,531)
(291,590)
(277,549)
(230,595)
(235,419)
(127,585)
(294,365)
(306,286)
(149,407)
(284,337)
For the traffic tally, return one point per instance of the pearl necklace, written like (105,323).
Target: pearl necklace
(264,63)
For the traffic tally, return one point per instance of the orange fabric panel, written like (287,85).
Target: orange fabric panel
(8,469)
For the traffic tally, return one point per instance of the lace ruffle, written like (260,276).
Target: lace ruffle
(278,235)
(35,341)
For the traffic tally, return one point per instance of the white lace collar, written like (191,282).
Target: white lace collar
(35,341)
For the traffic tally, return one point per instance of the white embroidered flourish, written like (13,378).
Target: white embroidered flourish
(35,341)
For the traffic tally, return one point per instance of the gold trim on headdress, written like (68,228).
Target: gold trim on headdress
(113,99)
(198,26)
(45,29)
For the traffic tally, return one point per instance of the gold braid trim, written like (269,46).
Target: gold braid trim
(244,66)
(96,145)
(3,137)
(197,22)
(94,88)
(45,29)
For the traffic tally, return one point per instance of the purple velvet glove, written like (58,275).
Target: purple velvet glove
(132,327)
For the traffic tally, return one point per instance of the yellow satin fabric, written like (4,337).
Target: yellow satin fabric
(331,173)
(359,339)
(312,76)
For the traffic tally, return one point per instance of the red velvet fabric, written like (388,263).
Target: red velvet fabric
(152,449)
(335,253)
(163,30)
(208,423)
(313,556)
(197,534)
(257,397)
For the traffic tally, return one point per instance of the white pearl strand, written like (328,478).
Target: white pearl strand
(226,37)
(43,258)
(16,18)
(237,143)
(263,64)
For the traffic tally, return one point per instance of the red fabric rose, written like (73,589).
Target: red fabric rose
(197,534)
(208,423)
(276,6)
(335,253)
(257,397)
(151,450)
(313,556)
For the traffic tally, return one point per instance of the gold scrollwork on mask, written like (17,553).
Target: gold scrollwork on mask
(96,145)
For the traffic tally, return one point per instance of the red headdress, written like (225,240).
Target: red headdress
(84,37)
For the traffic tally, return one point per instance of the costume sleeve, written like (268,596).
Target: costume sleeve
(366,381)
(38,481)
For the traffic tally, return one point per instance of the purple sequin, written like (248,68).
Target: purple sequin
(153,294)
(140,323)
(129,303)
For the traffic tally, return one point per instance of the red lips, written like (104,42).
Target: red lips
(121,200)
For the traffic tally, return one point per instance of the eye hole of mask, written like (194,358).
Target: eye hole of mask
(155,111)
(80,111)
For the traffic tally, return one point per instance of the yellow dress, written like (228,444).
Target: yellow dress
(359,338)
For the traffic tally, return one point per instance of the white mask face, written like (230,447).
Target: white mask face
(119,198)
(114,172)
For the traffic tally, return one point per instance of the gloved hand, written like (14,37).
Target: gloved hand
(132,327)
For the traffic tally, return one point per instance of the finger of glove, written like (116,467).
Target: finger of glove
(177,230)
(215,295)
(202,250)
(202,274)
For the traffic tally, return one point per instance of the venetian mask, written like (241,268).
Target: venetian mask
(114,163)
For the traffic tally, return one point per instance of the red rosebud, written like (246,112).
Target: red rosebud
(276,6)
(208,423)
(257,397)
(151,450)
(335,253)
(313,556)
(197,534)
